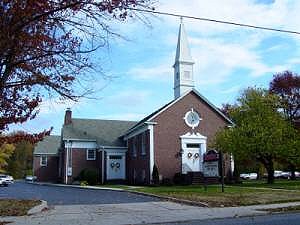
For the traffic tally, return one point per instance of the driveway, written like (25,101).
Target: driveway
(69,196)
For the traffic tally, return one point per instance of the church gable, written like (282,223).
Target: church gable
(208,106)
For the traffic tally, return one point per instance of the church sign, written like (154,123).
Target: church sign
(211,164)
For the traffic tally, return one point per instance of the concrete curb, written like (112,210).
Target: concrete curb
(172,199)
(77,186)
(181,201)
(39,208)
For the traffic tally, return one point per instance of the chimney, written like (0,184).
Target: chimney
(68,116)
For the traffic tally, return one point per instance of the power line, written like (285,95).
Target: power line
(215,21)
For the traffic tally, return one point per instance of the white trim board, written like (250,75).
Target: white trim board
(200,96)
(149,121)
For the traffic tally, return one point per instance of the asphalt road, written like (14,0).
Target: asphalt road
(67,195)
(271,219)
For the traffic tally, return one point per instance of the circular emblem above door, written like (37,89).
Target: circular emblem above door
(192,119)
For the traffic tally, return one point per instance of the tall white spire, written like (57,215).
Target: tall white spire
(183,66)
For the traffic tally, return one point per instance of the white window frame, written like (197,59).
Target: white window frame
(143,147)
(87,154)
(41,160)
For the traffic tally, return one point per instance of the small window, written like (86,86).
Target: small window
(43,160)
(134,146)
(143,152)
(193,145)
(115,157)
(90,154)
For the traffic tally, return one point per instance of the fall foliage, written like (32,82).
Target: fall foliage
(287,86)
(44,48)
(260,133)
(21,160)
(6,151)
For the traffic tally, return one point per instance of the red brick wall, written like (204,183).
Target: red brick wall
(47,173)
(80,163)
(140,162)
(170,126)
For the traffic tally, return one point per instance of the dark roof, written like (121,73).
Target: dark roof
(151,115)
(49,145)
(173,101)
(105,132)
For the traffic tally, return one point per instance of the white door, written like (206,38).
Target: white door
(115,167)
(193,146)
(192,159)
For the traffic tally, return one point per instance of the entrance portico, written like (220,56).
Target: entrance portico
(193,147)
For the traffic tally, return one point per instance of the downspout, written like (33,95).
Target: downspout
(102,166)
(67,161)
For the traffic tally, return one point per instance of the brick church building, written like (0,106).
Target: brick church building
(174,137)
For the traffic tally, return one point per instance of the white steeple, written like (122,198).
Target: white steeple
(183,66)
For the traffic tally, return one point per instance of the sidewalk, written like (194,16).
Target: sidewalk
(137,213)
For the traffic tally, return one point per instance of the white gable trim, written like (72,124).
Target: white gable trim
(200,96)
(136,130)
(78,139)
(46,153)
(112,147)
(81,144)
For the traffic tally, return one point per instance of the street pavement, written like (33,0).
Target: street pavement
(274,219)
(126,208)
(68,195)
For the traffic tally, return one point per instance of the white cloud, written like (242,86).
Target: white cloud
(128,98)
(233,89)
(275,15)
(123,116)
(161,72)
(217,55)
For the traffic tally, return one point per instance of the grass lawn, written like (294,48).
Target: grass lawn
(233,195)
(247,193)
(278,184)
(13,207)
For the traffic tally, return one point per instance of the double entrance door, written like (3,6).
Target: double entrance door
(115,167)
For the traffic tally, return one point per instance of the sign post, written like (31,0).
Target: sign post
(222,170)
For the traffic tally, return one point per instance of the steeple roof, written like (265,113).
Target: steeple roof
(183,53)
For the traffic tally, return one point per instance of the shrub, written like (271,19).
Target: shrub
(178,178)
(83,183)
(89,176)
(155,175)
(167,182)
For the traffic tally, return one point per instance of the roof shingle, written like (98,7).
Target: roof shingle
(105,132)
(49,145)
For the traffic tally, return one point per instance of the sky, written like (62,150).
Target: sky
(227,59)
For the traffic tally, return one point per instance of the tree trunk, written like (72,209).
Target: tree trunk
(293,169)
(268,164)
(270,170)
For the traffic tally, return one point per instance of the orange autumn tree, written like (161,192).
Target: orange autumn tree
(44,50)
